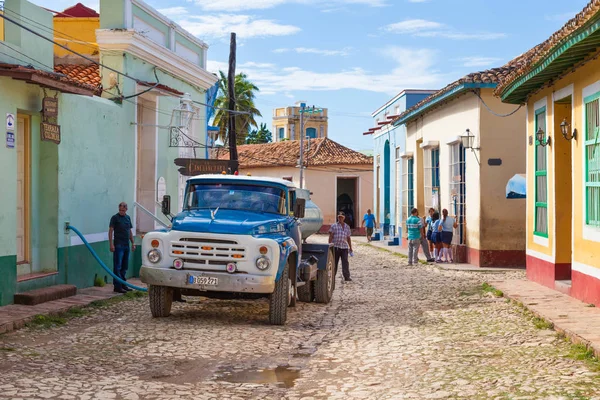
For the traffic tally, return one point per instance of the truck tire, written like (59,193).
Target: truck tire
(325,282)
(279,300)
(161,298)
(306,293)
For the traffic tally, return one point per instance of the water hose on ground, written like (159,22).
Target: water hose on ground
(118,279)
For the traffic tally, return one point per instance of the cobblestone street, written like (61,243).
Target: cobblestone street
(396,332)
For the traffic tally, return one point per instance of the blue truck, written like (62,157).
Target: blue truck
(239,237)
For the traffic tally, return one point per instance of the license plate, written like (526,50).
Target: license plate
(203,280)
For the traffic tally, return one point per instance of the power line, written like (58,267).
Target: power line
(492,111)
(51,70)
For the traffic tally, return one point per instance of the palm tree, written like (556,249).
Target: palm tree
(262,135)
(244,101)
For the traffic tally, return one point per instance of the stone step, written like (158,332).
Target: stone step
(563,286)
(38,296)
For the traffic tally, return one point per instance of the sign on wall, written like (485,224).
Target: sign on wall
(194,166)
(49,128)
(10,140)
(10,121)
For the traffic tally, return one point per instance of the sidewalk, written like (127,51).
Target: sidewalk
(576,320)
(15,316)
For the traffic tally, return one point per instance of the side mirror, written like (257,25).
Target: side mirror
(166,205)
(299,208)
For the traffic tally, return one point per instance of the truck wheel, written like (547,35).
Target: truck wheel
(306,293)
(279,300)
(325,282)
(161,298)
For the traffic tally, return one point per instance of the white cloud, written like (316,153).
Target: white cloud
(414,69)
(245,26)
(242,5)
(173,12)
(477,61)
(306,50)
(425,28)
(412,25)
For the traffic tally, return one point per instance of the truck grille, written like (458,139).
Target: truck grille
(208,251)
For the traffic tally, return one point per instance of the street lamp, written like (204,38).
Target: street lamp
(565,130)
(540,137)
(468,140)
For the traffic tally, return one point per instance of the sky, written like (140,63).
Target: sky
(352,56)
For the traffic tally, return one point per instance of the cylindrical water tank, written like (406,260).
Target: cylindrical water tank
(313,217)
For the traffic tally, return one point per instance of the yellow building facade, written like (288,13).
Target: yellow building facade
(286,123)
(75,28)
(559,82)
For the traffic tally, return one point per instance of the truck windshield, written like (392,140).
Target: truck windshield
(235,197)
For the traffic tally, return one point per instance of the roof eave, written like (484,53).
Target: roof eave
(446,96)
(517,93)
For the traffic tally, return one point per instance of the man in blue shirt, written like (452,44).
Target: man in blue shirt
(414,226)
(120,226)
(369,220)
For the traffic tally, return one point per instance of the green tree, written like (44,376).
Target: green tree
(245,92)
(262,135)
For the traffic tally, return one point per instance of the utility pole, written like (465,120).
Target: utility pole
(301,161)
(233,155)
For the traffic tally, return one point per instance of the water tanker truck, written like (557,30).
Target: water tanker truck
(239,237)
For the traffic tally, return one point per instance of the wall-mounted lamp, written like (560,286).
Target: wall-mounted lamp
(468,140)
(540,135)
(565,128)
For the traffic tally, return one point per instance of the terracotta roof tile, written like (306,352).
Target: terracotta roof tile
(59,76)
(493,75)
(84,74)
(532,57)
(322,151)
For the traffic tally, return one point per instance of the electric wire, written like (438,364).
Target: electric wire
(50,69)
(492,111)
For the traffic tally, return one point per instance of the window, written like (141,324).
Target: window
(431,171)
(311,133)
(592,162)
(398,194)
(541,177)
(408,184)
(281,133)
(456,190)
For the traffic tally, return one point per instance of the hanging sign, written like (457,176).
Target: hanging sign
(10,121)
(194,166)
(50,107)
(10,140)
(50,132)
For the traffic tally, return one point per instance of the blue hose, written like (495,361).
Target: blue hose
(141,289)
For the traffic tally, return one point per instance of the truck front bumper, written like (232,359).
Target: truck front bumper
(235,283)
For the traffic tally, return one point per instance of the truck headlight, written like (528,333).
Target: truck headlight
(263,263)
(154,256)
(272,227)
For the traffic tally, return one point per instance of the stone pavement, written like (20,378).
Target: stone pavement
(395,332)
(15,316)
(577,320)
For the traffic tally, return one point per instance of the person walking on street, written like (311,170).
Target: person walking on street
(120,226)
(429,229)
(446,230)
(369,221)
(339,235)
(414,226)
(425,243)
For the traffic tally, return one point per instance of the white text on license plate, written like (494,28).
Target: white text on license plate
(203,280)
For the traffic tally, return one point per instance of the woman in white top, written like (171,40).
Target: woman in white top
(446,228)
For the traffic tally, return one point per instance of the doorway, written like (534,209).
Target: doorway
(347,200)
(23,144)
(563,176)
(146,163)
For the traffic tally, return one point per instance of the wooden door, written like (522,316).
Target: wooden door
(23,188)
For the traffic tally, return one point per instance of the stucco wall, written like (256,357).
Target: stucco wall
(502,220)
(323,186)
(585,239)
(84,29)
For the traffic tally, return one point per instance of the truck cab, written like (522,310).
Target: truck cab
(238,236)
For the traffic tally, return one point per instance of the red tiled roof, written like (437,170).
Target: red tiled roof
(84,74)
(538,53)
(322,151)
(46,79)
(493,75)
(78,11)
(161,87)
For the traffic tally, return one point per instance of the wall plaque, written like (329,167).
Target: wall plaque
(195,166)
(50,132)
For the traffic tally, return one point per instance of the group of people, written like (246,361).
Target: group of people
(433,234)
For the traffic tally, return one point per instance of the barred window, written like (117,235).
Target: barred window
(457,191)
(431,171)
(592,162)
(408,184)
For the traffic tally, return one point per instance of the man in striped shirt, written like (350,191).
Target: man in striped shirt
(339,235)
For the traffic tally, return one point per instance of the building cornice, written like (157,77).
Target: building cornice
(131,42)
